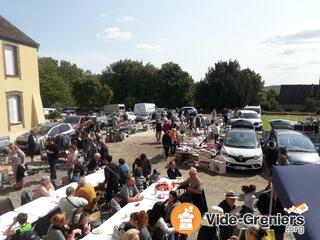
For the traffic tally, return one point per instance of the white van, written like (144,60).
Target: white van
(257,109)
(143,108)
(110,108)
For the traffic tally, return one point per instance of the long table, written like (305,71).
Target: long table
(150,197)
(45,205)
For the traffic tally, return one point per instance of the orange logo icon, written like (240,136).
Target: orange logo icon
(186,218)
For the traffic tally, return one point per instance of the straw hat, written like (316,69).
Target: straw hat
(231,194)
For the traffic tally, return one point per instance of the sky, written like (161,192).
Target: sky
(279,39)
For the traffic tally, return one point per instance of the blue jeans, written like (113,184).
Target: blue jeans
(170,236)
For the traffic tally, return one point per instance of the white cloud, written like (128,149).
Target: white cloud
(163,40)
(125,19)
(148,47)
(114,34)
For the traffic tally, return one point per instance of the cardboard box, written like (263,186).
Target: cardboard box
(194,157)
(203,165)
(220,167)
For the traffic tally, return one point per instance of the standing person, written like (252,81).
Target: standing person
(52,153)
(16,158)
(227,205)
(146,165)
(72,157)
(32,145)
(104,151)
(158,130)
(215,131)
(214,115)
(140,179)
(166,143)
(123,171)
(174,141)
(270,157)
(166,125)
(248,199)
(112,177)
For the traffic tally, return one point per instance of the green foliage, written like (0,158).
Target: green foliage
(226,85)
(311,105)
(269,100)
(132,82)
(54,115)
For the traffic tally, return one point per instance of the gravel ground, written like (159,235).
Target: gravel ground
(215,185)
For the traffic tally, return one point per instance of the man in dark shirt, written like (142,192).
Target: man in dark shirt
(270,157)
(227,205)
(95,163)
(143,162)
(112,177)
(52,151)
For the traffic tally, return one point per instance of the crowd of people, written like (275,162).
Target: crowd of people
(89,153)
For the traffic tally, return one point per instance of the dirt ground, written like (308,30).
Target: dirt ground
(215,186)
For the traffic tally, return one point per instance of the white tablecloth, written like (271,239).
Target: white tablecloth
(6,220)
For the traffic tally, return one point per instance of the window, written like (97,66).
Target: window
(11,60)
(63,128)
(14,105)
(54,131)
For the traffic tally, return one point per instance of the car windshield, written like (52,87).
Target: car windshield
(250,115)
(241,139)
(71,120)
(41,130)
(296,142)
(257,110)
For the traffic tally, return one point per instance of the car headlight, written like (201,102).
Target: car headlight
(256,157)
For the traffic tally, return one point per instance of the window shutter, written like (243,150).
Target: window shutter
(10,61)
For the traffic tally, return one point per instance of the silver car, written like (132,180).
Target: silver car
(42,132)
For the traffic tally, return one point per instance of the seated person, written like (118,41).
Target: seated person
(70,204)
(95,163)
(172,171)
(132,234)
(208,231)
(129,192)
(156,221)
(59,229)
(193,188)
(115,204)
(155,176)
(76,175)
(45,189)
(170,204)
(140,179)
(86,191)
(25,230)
(83,225)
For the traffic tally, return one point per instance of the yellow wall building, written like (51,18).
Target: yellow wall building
(20,100)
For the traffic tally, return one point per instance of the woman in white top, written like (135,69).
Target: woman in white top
(248,198)
(72,157)
(16,157)
(156,220)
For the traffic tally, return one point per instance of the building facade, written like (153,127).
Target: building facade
(20,100)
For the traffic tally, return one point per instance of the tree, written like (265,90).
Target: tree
(90,93)
(269,100)
(176,87)
(226,85)
(54,91)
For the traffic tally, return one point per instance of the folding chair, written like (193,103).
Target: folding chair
(6,206)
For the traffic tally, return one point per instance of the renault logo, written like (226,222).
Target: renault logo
(240,158)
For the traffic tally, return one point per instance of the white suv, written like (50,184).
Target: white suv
(257,109)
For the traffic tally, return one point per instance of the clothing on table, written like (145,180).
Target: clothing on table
(87,192)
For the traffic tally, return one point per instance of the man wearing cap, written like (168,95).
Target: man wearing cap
(208,231)
(227,205)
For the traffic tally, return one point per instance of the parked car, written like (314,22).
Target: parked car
(191,111)
(142,117)
(251,116)
(241,149)
(300,148)
(76,120)
(282,124)
(144,108)
(131,116)
(257,109)
(42,132)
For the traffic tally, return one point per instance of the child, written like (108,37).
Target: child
(248,199)
(155,176)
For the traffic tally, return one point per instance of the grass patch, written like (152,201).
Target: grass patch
(266,118)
